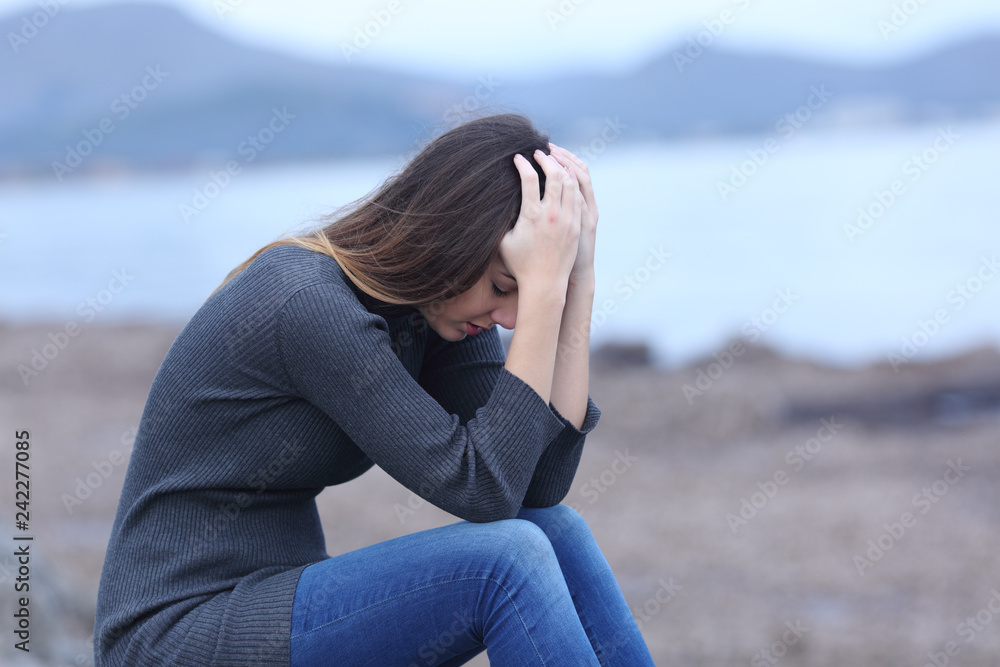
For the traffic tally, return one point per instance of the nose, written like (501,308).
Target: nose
(505,315)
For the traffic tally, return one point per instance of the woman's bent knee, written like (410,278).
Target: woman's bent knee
(559,522)
(513,544)
(519,535)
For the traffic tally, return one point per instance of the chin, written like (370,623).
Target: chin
(451,334)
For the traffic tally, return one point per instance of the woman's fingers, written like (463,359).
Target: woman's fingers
(582,172)
(529,182)
(569,194)
(562,186)
(562,152)
(543,244)
(556,178)
(579,203)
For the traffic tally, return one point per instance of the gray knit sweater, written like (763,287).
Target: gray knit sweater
(288,380)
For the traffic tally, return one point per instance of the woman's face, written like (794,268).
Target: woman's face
(480,305)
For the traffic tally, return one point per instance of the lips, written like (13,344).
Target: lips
(472,329)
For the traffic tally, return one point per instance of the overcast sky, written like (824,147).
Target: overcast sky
(541,36)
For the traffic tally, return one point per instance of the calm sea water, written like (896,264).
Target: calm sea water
(698,244)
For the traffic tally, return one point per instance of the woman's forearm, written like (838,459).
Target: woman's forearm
(571,373)
(532,353)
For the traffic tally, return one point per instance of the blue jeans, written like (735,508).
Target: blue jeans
(534,590)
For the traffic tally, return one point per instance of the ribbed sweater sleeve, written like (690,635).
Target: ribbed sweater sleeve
(557,465)
(339,357)
(461,375)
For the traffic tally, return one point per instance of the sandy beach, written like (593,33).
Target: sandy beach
(780,512)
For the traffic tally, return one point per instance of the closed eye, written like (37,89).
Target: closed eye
(498,292)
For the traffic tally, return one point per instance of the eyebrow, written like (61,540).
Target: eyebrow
(507,275)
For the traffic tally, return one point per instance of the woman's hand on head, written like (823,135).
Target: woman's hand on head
(541,249)
(583,268)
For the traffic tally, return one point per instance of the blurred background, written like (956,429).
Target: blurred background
(792,329)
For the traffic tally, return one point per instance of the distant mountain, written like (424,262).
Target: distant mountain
(144,86)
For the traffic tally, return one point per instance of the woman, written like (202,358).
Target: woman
(373,342)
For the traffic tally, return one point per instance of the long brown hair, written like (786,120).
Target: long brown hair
(431,231)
